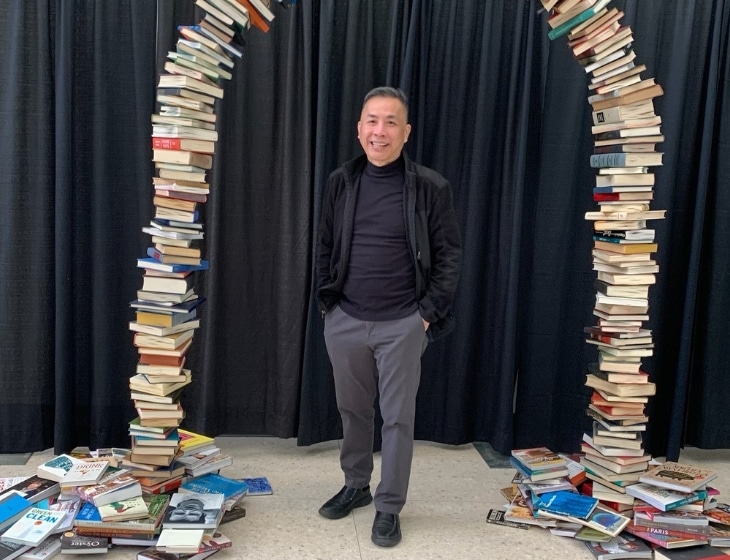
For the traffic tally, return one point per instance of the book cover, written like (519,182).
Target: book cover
(131,508)
(71,543)
(537,458)
(679,477)
(85,473)
(57,467)
(34,526)
(190,441)
(193,511)
(622,546)
(566,502)
(12,505)
(211,483)
(120,488)
(7,482)
(496,516)
(601,519)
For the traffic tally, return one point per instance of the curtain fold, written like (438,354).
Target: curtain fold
(496,108)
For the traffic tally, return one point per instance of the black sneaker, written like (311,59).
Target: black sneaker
(347,499)
(386,529)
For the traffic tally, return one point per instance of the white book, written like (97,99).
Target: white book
(34,526)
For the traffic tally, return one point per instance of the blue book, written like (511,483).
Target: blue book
(12,506)
(566,502)
(183,307)
(89,512)
(149,262)
(212,483)
(538,475)
(172,436)
(258,486)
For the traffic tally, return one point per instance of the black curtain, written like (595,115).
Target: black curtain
(496,107)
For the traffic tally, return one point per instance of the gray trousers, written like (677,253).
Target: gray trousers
(367,357)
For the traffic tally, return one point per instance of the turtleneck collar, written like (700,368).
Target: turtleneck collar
(396,167)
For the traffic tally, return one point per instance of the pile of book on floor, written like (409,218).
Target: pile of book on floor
(85,502)
(671,507)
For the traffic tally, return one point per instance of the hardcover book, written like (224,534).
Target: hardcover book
(679,477)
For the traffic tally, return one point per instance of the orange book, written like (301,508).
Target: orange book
(255,17)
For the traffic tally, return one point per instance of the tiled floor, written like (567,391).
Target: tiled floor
(452,488)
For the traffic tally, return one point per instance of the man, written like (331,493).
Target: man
(388,260)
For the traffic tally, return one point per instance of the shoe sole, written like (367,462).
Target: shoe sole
(386,542)
(362,502)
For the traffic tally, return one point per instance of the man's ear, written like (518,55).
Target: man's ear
(408,132)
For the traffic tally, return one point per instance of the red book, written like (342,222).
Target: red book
(185,144)
(158,360)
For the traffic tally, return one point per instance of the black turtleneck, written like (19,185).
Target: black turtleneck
(381,282)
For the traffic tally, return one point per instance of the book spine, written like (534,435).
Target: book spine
(159,143)
(564,28)
(672,529)
(690,498)
(613,159)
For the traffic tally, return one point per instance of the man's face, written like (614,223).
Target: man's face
(189,510)
(383,129)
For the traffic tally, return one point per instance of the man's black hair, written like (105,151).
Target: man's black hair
(388,91)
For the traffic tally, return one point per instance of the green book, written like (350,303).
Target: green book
(565,27)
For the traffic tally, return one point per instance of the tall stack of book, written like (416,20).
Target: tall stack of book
(626,132)
(167,307)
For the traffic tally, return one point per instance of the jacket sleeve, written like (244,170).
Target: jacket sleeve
(325,239)
(445,256)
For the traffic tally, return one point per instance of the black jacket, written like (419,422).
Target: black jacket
(433,237)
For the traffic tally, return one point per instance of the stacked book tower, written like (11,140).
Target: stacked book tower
(626,132)
(167,307)
(668,505)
